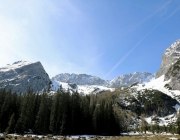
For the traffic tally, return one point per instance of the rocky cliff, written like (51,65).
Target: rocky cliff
(22,75)
(170,57)
(170,66)
(173,74)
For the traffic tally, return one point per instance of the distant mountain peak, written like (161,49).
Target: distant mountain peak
(122,80)
(79,79)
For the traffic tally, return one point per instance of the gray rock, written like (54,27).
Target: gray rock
(173,74)
(129,79)
(170,57)
(123,80)
(79,79)
(22,75)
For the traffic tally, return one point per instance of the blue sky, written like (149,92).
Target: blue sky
(105,38)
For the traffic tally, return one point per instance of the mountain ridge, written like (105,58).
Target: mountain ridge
(122,80)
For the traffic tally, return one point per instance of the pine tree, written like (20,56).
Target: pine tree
(143,123)
(75,113)
(54,113)
(42,118)
(64,125)
(11,124)
(85,121)
(178,125)
(6,111)
(26,119)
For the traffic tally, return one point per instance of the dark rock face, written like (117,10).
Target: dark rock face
(22,75)
(170,57)
(173,75)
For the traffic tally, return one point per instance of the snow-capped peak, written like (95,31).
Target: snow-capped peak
(15,65)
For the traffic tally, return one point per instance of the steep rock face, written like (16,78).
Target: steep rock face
(129,79)
(22,75)
(170,57)
(79,79)
(173,74)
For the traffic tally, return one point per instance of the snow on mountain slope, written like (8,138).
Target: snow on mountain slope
(123,80)
(79,79)
(159,84)
(14,66)
(22,75)
(93,89)
(85,89)
(129,79)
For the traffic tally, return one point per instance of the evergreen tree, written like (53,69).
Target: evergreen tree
(26,119)
(75,113)
(54,113)
(42,118)
(178,125)
(6,111)
(11,124)
(85,116)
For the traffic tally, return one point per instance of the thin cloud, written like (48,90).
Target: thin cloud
(137,44)
(173,12)
(129,52)
(98,56)
(147,18)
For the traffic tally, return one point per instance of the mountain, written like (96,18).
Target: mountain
(22,75)
(123,80)
(79,79)
(170,66)
(169,58)
(129,79)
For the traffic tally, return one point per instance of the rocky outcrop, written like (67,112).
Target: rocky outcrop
(173,74)
(123,80)
(170,66)
(22,75)
(79,79)
(129,79)
(170,57)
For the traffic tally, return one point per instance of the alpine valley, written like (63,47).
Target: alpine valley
(141,101)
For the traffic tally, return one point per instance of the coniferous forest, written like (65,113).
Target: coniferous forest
(63,113)
(71,113)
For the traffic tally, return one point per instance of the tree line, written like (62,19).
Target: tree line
(71,113)
(64,113)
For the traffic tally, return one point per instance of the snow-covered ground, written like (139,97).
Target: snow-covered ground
(162,120)
(85,89)
(159,84)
